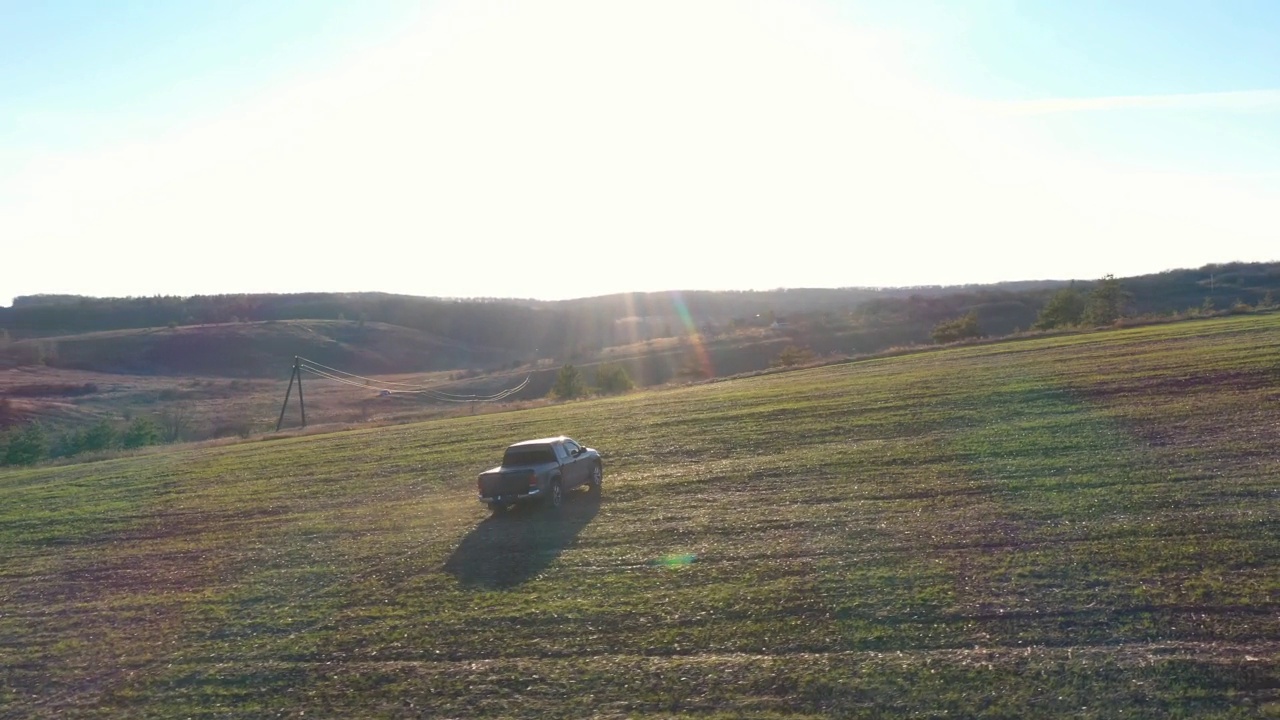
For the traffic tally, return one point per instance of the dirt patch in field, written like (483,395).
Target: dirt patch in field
(1229,414)
(1180,385)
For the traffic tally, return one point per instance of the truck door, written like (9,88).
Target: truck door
(576,470)
(567,477)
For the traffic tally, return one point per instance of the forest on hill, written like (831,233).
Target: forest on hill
(488,333)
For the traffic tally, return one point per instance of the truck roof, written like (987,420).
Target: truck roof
(540,441)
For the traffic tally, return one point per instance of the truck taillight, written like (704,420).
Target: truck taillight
(533,479)
(479,484)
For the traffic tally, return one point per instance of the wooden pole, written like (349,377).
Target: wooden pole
(302,405)
(292,375)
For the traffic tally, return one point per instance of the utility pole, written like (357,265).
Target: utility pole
(302,404)
(295,375)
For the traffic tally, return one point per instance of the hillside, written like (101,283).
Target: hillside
(249,349)
(252,336)
(1083,526)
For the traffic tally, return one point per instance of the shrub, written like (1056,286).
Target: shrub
(175,422)
(569,384)
(26,446)
(961,328)
(142,431)
(100,436)
(1065,308)
(1106,302)
(612,379)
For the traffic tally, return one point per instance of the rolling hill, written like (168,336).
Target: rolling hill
(250,349)
(1081,526)
(253,335)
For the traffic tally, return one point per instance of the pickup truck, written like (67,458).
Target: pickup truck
(540,470)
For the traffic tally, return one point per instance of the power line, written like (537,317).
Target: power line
(362,377)
(366,383)
(383,383)
(433,395)
(426,393)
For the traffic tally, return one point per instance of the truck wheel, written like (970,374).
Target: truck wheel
(557,495)
(597,477)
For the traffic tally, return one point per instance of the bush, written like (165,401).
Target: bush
(569,384)
(142,431)
(1106,302)
(64,445)
(175,422)
(1065,308)
(613,379)
(961,328)
(25,446)
(100,436)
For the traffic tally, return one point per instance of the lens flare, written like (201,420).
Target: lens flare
(631,321)
(677,560)
(700,354)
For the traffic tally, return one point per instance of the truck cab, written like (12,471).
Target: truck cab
(540,470)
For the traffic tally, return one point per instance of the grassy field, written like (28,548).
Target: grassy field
(1085,526)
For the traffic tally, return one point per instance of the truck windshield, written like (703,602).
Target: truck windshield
(529,455)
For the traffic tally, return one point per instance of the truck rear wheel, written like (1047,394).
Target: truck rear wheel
(557,494)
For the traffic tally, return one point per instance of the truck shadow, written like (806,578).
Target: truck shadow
(509,549)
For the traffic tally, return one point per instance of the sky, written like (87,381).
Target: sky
(555,149)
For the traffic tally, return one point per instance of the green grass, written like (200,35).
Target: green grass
(1085,526)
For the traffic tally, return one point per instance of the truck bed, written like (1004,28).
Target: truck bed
(505,482)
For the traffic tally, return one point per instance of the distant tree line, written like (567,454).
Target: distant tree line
(576,331)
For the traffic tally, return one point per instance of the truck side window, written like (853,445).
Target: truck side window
(570,446)
(561,452)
